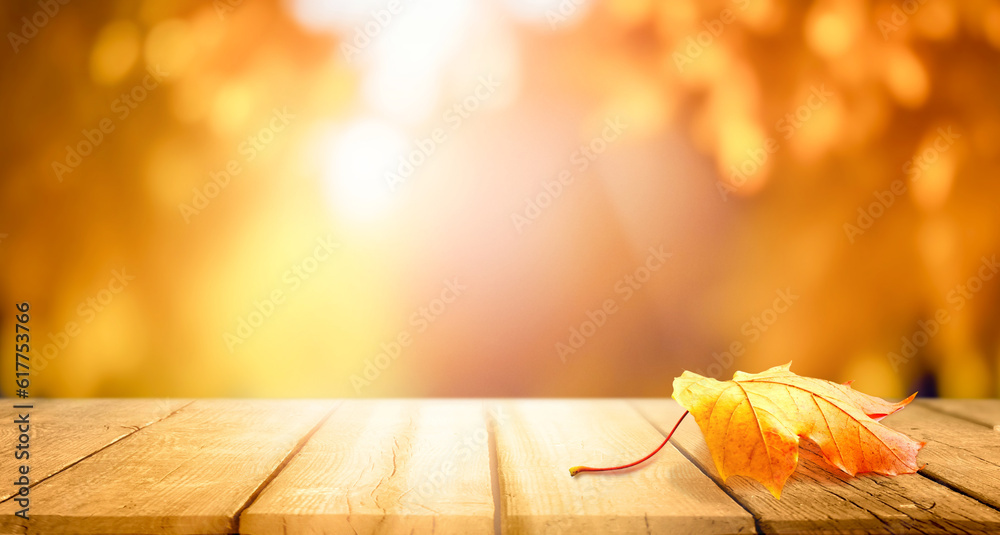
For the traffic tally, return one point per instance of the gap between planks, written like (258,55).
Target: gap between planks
(177,420)
(539,496)
(756,518)
(491,442)
(935,405)
(956,489)
(281,466)
(488,420)
(102,448)
(936,408)
(346,463)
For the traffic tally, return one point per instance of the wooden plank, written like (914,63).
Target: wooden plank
(540,440)
(822,499)
(385,467)
(959,453)
(63,431)
(189,473)
(981,411)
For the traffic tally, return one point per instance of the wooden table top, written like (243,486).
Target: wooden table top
(462,467)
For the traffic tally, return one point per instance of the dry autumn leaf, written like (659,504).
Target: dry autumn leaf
(753,425)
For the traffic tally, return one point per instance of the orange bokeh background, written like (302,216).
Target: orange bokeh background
(251,198)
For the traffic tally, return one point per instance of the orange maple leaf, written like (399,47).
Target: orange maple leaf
(754,422)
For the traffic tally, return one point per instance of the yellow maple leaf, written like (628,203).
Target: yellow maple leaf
(754,422)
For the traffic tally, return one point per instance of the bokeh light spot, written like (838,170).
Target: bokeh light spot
(114,52)
(171,46)
(906,77)
(830,33)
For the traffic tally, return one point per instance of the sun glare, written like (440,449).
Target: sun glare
(357,158)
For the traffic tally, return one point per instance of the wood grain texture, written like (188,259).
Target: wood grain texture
(538,440)
(189,473)
(959,453)
(61,432)
(385,467)
(820,498)
(982,411)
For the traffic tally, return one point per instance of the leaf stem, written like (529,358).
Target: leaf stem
(577,469)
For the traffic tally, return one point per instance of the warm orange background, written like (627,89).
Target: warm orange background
(826,108)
